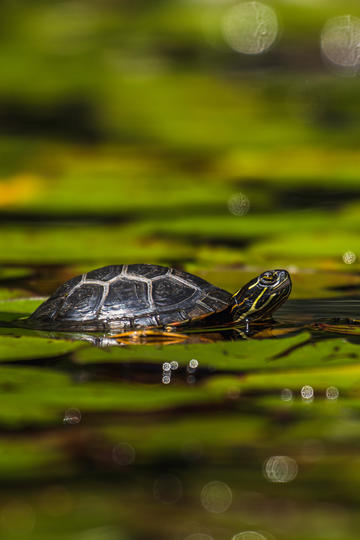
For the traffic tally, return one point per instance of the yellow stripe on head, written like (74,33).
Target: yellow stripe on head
(261,296)
(252,307)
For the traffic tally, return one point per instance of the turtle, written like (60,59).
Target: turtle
(129,297)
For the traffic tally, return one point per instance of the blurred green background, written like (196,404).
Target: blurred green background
(136,126)
(134,131)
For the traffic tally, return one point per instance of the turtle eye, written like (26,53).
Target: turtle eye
(268,277)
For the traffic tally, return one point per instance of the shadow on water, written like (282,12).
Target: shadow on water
(314,310)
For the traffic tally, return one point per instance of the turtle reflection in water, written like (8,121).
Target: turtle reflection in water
(158,301)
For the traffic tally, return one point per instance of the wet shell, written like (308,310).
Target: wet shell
(130,296)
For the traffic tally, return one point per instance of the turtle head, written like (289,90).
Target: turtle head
(259,298)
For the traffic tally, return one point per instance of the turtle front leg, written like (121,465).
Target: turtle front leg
(252,325)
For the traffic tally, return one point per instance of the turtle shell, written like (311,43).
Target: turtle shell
(130,296)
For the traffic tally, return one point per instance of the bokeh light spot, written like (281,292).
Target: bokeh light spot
(340,42)
(249,535)
(216,497)
(72,416)
(123,454)
(280,469)
(332,392)
(238,204)
(349,257)
(250,27)
(193,363)
(307,392)
(286,394)
(198,536)
(167,489)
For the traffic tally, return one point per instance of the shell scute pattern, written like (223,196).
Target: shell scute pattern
(148,271)
(137,295)
(195,281)
(67,287)
(166,288)
(214,293)
(105,273)
(50,308)
(197,312)
(83,303)
(126,296)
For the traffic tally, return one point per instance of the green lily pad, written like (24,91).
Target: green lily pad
(242,227)
(344,378)
(32,458)
(7,293)
(14,272)
(301,247)
(85,244)
(264,355)
(24,347)
(11,309)
(32,395)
